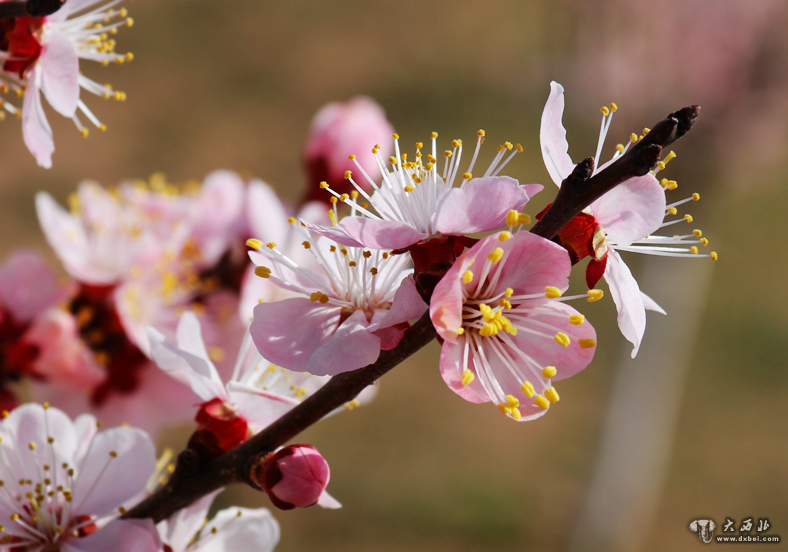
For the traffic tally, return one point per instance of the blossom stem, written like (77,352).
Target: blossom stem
(580,189)
(184,488)
(29,8)
(192,480)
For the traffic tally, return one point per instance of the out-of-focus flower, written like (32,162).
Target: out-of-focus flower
(236,529)
(416,201)
(64,481)
(41,55)
(293,477)
(28,291)
(272,220)
(337,130)
(506,335)
(254,396)
(622,219)
(359,302)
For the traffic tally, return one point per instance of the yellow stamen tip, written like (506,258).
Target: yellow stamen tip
(467,277)
(577,319)
(552,395)
(694,250)
(262,271)
(395,136)
(695,197)
(697,233)
(586,343)
(351,157)
(688,218)
(595,295)
(549,371)
(713,255)
(541,402)
(528,388)
(503,236)
(254,243)
(552,292)
(496,255)
(562,339)
(348,173)
(605,111)
(323,185)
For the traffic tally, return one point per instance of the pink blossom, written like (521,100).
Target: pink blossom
(624,219)
(416,201)
(293,477)
(43,57)
(236,529)
(359,302)
(337,130)
(506,336)
(80,478)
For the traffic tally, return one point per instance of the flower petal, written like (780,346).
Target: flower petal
(352,346)
(181,527)
(288,332)
(251,530)
(481,205)
(329,502)
(259,408)
(36,131)
(336,233)
(380,234)
(105,482)
(407,305)
(60,73)
(451,366)
(632,210)
(552,135)
(650,304)
(120,535)
(532,260)
(628,299)
(28,286)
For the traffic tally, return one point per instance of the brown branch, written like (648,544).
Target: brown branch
(192,480)
(29,8)
(580,189)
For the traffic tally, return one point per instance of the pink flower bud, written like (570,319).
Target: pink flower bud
(337,131)
(293,477)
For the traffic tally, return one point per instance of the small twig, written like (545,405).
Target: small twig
(191,480)
(29,8)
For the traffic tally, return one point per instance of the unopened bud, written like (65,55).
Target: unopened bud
(293,477)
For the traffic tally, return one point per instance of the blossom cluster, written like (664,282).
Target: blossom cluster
(219,302)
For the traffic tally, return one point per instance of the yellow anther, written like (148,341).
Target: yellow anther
(697,233)
(395,136)
(270,245)
(404,156)
(562,339)
(646,131)
(373,271)
(713,255)
(605,111)
(549,372)
(31,446)
(522,218)
(541,402)
(633,137)
(704,241)
(552,292)
(480,132)
(516,413)
(84,132)
(409,188)
(672,185)
(552,395)
(460,331)
(467,176)
(672,211)
(262,271)
(508,293)
(344,197)
(129,22)
(577,319)
(323,185)
(113,454)
(129,56)
(495,256)
(354,194)
(419,145)
(613,107)
(661,165)
(620,147)
(504,303)
(688,218)
(512,218)
(254,243)
(352,263)
(519,148)
(291,220)
(694,250)
(587,343)
(433,135)
(503,236)
(456,143)
(512,401)
(351,157)
(595,295)
(306,244)
(447,153)
(333,199)
(467,277)
(348,173)
(664,182)
(505,408)
(695,197)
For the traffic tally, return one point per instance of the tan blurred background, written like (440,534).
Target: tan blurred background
(234,85)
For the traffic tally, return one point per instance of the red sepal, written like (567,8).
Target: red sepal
(594,271)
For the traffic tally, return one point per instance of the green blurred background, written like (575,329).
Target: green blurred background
(235,84)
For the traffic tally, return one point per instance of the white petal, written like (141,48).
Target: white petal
(253,531)
(60,73)
(628,299)
(179,529)
(36,131)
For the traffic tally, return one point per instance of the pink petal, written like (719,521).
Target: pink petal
(36,131)
(254,530)
(391,336)
(381,234)
(266,213)
(180,528)
(555,148)
(28,286)
(220,206)
(407,305)
(628,299)
(352,346)
(60,73)
(632,210)
(481,205)
(103,482)
(120,535)
(287,333)
(28,423)
(447,299)
(336,233)
(532,263)
(451,366)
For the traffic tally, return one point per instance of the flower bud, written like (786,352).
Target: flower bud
(220,429)
(337,131)
(294,477)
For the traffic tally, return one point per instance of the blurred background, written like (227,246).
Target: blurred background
(694,428)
